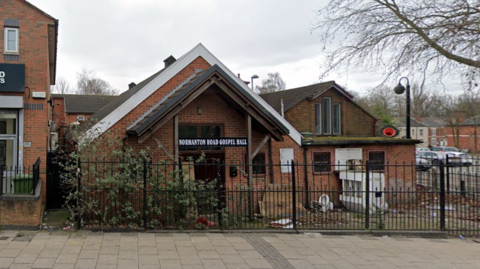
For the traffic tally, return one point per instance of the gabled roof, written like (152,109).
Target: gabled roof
(122,98)
(400,122)
(212,78)
(293,97)
(88,104)
(473,121)
(434,122)
(116,110)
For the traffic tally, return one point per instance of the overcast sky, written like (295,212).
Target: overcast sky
(126,41)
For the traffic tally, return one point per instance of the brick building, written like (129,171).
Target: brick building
(71,109)
(27,69)
(196,100)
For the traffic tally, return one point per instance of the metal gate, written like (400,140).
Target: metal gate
(55,168)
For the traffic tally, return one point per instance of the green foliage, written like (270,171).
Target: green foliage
(115,179)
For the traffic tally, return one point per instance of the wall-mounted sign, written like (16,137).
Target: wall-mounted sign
(12,78)
(39,95)
(343,155)
(27,144)
(216,142)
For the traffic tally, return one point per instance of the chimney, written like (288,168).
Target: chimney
(169,61)
(131,85)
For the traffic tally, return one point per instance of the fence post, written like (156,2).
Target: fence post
(367,195)
(145,195)
(448,173)
(79,193)
(1,179)
(294,198)
(219,196)
(442,196)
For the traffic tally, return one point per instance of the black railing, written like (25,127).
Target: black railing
(19,180)
(145,195)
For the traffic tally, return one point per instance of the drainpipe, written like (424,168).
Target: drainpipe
(305,150)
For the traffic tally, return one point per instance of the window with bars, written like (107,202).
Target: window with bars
(376,159)
(322,162)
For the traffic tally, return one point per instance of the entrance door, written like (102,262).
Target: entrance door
(8,140)
(8,148)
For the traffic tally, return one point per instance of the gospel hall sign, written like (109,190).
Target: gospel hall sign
(218,142)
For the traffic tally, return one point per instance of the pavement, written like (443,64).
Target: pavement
(84,249)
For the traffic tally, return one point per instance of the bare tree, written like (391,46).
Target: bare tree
(61,86)
(273,83)
(452,115)
(89,84)
(433,38)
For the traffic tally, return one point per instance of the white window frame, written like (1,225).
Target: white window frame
(5,35)
(80,118)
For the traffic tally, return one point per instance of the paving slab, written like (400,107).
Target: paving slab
(85,250)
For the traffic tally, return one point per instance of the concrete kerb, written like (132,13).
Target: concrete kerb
(376,233)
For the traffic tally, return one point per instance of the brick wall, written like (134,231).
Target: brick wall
(463,137)
(33,45)
(302,116)
(21,211)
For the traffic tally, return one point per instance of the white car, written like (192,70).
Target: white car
(454,158)
(463,158)
(418,150)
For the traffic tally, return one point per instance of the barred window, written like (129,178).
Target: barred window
(322,162)
(376,159)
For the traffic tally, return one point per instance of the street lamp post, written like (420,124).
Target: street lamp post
(400,89)
(253,77)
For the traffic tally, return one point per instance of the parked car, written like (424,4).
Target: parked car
(418,150)
(422,164)
(454,158)
(463,158)
(445,149)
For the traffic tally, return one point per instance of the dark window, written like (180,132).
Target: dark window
(376,159)
(199,131)
(337,115)
(322,162)
(258,164)
(318,118)
(328,117)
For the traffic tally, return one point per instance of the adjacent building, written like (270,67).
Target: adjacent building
(27,70)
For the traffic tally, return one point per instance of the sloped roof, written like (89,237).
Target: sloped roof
(187,89)
(122,98)
(292,97)
(116,110)
(87,104)
(433,122)
(400,122)
(473,121)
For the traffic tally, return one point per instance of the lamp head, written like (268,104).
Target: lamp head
(254,76)
(399,89)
